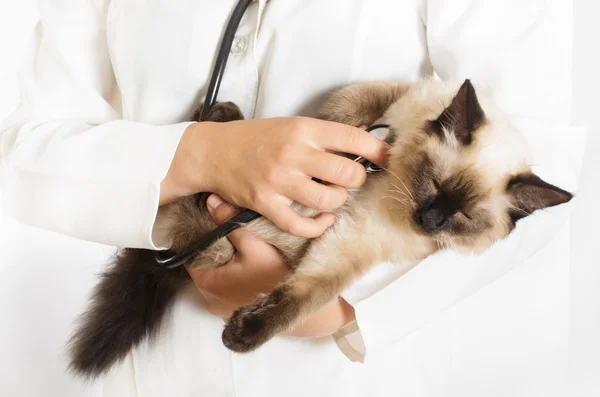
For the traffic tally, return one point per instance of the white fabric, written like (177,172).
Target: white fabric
(105,88)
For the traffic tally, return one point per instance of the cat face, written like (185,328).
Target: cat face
(458,171)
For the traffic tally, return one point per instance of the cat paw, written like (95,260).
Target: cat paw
(247,327)
(253,325)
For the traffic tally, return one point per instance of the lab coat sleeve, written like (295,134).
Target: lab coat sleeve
(520,52)
(71,164)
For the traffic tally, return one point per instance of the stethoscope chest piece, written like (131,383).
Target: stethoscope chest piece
(383,132)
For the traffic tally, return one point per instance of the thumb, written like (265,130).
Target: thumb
(221,212)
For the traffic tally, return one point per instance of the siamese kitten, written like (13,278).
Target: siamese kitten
(458,176)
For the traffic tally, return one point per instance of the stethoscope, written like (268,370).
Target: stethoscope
(170,260)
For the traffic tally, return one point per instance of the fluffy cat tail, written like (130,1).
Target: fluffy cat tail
(127,306)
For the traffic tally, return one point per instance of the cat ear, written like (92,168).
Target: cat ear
(463,116)
(528,193)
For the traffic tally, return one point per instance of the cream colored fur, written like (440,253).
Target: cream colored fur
(377,223)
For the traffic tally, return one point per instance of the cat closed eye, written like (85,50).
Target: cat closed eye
(464,215)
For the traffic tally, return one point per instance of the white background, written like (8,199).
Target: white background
(584,327)
(17,19)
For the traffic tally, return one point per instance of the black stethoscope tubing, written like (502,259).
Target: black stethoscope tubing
(169,259)
(223,56)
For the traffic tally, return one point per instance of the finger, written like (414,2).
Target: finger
(200,276)
(221,212)
(348,139)
(243,240)
(315,195)
(215,280)
(292,223)
(334,169)
(215,305)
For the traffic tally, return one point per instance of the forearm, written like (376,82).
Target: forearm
(195,162)
(97,183)
(179,181)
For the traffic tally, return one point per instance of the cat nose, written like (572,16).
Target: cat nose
(432,219)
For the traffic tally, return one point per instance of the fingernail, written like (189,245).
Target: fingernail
(214,201)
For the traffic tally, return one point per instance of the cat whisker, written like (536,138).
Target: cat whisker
(396,198)
(406,188)
(401,201)
(402,194)
(399,192)
(401,181)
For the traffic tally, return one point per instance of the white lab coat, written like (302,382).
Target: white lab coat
(105,89)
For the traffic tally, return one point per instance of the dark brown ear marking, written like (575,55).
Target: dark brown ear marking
(529,193)
(463,116)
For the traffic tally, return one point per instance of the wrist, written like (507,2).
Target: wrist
(191,169)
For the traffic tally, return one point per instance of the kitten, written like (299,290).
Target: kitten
(458,176)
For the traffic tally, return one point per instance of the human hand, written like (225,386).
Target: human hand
(265,165)
(257,267)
